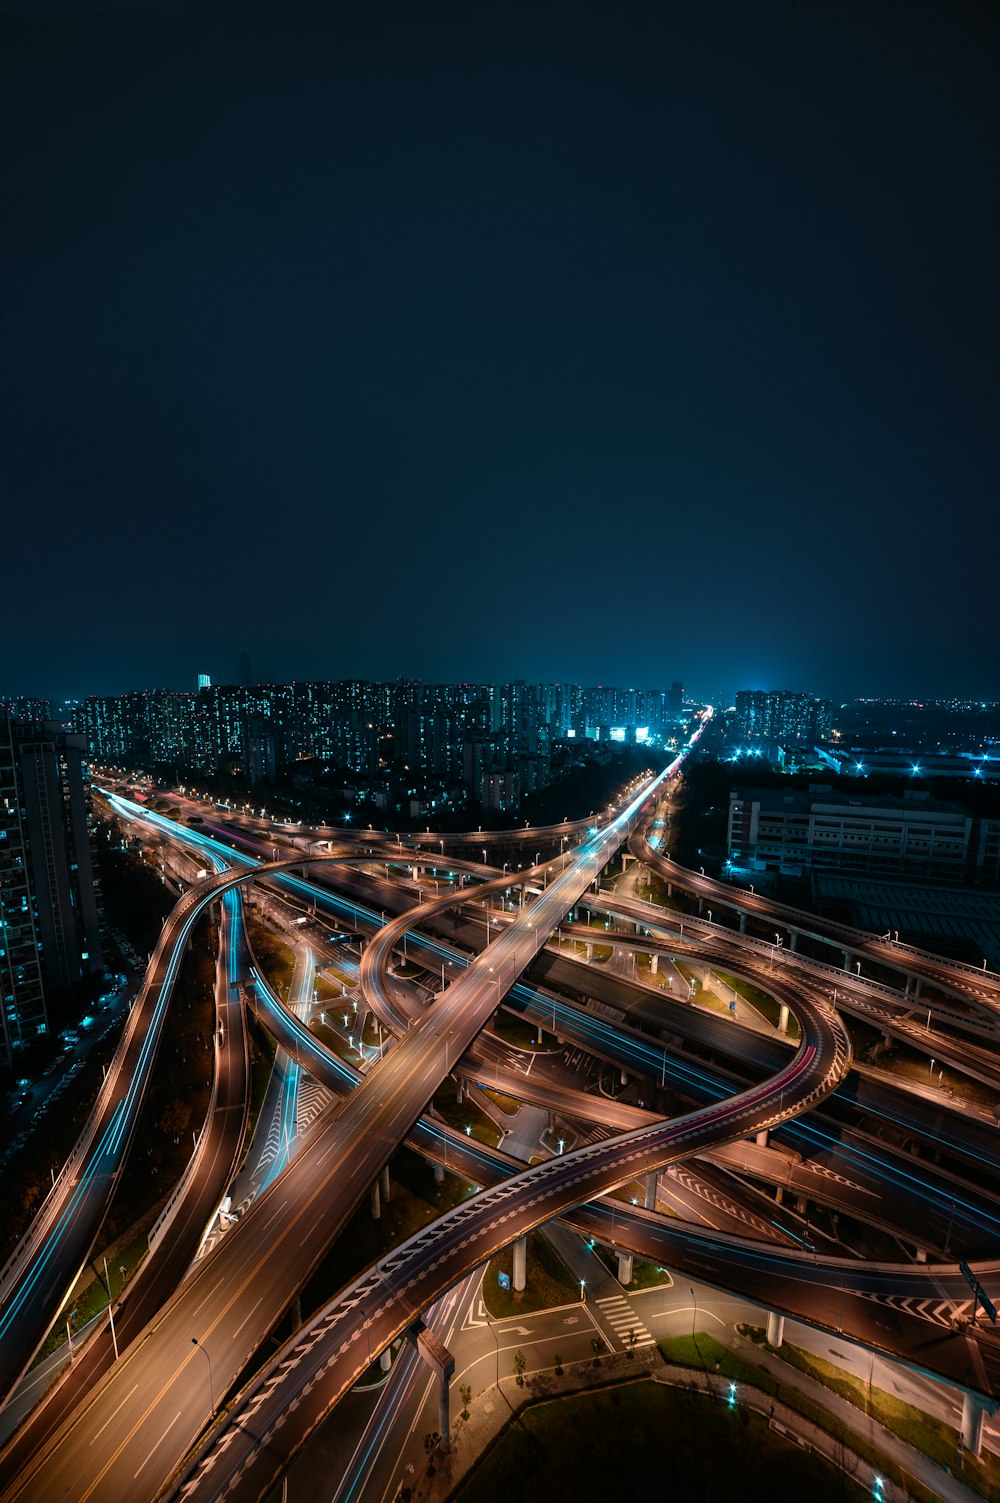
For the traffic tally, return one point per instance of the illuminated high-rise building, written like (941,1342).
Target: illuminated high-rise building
(49,896)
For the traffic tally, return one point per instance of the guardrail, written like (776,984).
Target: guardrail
(987,1029)
(798,918)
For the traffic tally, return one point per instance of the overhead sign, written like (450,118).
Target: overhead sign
(979,1293)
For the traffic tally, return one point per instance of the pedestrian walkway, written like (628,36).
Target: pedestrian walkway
(622,1319)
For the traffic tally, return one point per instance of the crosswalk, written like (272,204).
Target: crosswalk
(622,1319)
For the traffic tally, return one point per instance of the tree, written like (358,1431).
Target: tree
(631,1338)
(465,1394)
(597,1346)
(557,1363)
(520,1363)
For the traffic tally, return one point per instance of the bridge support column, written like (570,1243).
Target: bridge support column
(743,923)
(918,987)
(439,1174)
(847,960)
(590,950)
(793,939)
(653,963)
(973,1410)
(384,1185)
(296,1312)
(761,1139)
(801,1204)
(921,1253)
(625,1268)
(459,1091)
(783,1017)
(701,906)
(650,1198)
(385,1360)
(779,1195)
(442,1364)
(520,1264)
(624,1077)
(376,1202)
(775,1329)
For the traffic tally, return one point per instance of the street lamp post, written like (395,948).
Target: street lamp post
(211,1380)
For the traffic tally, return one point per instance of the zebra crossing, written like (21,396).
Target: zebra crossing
(622,1319)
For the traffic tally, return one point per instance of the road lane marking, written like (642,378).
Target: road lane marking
(120,1406)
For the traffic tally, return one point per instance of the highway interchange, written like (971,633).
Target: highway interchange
(132,1419)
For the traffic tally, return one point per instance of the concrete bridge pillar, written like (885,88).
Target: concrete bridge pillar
(793,939)
(743,923)
(775,1329)
(376,1202)
(442,1364)
(974,1409)
(384,1185)
(520,1264)
(847,959)
(918,987)
(385,1360)
(650,1197)
(439,1174)
(459,1091)
(624,1077)
(801,1204)
(783,1017)
(624,1268)
(921,1253)
(701,905)
(653,963)
(762,1138)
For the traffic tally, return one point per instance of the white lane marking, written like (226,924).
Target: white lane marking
(120,1406)
(163,1433)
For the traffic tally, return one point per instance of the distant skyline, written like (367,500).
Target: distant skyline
(594,344)
(721,697)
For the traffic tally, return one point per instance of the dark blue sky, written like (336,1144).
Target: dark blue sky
(615,343)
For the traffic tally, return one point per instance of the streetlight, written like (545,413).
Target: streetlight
(211,1381)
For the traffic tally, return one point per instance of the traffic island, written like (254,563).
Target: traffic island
(643,1275)
(548,1283)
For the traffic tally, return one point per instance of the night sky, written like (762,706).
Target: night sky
(611,344)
